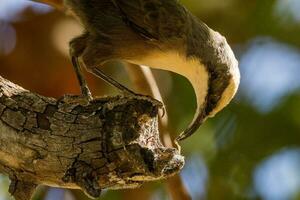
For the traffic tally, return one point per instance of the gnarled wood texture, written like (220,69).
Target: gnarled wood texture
(110,142)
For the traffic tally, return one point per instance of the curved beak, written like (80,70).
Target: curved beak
(195,124)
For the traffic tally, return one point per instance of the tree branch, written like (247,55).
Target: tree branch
(110,142)
(146,84)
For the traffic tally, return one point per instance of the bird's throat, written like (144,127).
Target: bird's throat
(192,69)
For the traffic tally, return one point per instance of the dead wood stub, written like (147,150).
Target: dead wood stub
(109,142)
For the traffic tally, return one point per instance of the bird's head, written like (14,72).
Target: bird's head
(214,74)
(207,61)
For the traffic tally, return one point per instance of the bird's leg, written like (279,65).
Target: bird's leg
(100,74)
(85,91)
(77,46)
(127,92)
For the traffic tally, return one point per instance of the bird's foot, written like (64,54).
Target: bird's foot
(86,93)
(126,92)
(148,98)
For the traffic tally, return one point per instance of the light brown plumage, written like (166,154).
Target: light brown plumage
(159,34)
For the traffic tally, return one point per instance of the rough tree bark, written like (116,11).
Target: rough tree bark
(110,142)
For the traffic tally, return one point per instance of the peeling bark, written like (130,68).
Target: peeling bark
(109,142)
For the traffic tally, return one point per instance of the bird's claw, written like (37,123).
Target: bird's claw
(163,109)
(155,102)
(86,93)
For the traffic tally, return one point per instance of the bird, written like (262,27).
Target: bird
(160,34)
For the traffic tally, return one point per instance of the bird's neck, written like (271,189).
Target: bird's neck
(192,69)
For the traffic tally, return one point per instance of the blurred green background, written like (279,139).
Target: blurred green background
(251,150)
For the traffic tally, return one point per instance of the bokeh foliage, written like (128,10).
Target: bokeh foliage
(248,151)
